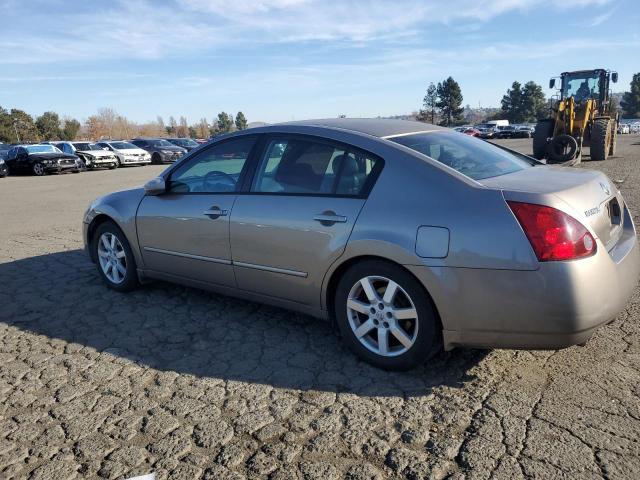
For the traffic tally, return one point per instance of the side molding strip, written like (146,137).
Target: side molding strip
(265,268)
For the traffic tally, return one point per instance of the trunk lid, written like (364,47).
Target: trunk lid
(595,198)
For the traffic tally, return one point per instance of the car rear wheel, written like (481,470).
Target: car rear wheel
(38,169)
(114,258)
(386,317)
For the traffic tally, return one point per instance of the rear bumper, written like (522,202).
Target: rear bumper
(558,305)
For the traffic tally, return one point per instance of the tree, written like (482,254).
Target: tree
(6,127)
(449,102)
(241,121)
(48,125)
(70,129)
(23,126)
(202,129)
(429,103)
(225,122)
(182,130)
(524,103)
(534,102)
(172,127)
(511,103)
(631,100)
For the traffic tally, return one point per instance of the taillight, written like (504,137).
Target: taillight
(553,234)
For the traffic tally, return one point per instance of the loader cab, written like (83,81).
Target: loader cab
(586,84)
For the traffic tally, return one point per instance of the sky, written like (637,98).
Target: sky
(279,60)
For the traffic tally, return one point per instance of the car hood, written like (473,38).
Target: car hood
(96,153)
(132,151)
(588,192)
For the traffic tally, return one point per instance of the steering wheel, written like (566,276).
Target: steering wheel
(210,180)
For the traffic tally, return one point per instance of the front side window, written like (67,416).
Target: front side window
(214,170)
(302,166)
(581,86)
(472,157)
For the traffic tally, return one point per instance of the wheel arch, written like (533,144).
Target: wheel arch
(93,227)
(338,271)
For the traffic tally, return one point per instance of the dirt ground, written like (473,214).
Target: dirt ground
(188,384)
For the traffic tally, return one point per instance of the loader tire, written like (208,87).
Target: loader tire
(563,149)
(614,142)
(544,130)
(600,139)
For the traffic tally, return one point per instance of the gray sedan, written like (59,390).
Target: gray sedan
(409,237)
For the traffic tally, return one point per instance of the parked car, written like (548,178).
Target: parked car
(41,159)
(508,131)
(484,247)
(126,153)
(474,132)
(486,130)
(4,150)
(91,154)
(187,143)
(624,128)
(524,131)
(161,150)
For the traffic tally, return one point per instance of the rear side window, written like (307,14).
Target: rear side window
(303,166)
(472,157)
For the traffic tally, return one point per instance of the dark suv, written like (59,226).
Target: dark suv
(161,151)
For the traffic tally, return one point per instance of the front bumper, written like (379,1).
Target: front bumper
(171,157)
(558,305)
(135,160)
(50,168)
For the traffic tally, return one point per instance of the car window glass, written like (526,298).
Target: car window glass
(472,157)
(301,166)
(214,170)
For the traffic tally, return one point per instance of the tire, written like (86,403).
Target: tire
(544,130)
(38,169)
(113,276)
(600,139)
(422,332)
(614,143)
(563,149)
(113,166)
(155,159)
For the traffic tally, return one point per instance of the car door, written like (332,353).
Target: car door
(185,231)
(295,220)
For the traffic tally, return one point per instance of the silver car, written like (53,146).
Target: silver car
(410,237)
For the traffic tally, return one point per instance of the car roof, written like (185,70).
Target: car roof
(377,127)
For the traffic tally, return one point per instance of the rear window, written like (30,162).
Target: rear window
(470,156)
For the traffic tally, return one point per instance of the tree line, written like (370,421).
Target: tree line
(442,103)
(18,126)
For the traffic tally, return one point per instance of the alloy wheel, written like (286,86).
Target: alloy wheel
(382,316)
(38,169)
(112,258)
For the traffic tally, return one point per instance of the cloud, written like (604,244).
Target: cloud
(142,29)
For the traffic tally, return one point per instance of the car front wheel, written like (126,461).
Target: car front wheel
(114,258)
(38,169)
(386,317)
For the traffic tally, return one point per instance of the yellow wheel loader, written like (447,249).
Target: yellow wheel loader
(582,117)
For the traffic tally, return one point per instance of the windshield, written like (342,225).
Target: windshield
(161,143)
(87,146)
(123,146)
(472,157)
(42,149)
(185,142)
(581,86)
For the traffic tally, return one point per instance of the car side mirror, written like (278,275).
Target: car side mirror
(552,83)
(614,77)
(156,186)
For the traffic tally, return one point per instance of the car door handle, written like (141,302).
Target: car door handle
(329,218)
(215,212)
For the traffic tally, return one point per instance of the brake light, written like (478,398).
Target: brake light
(553,234)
